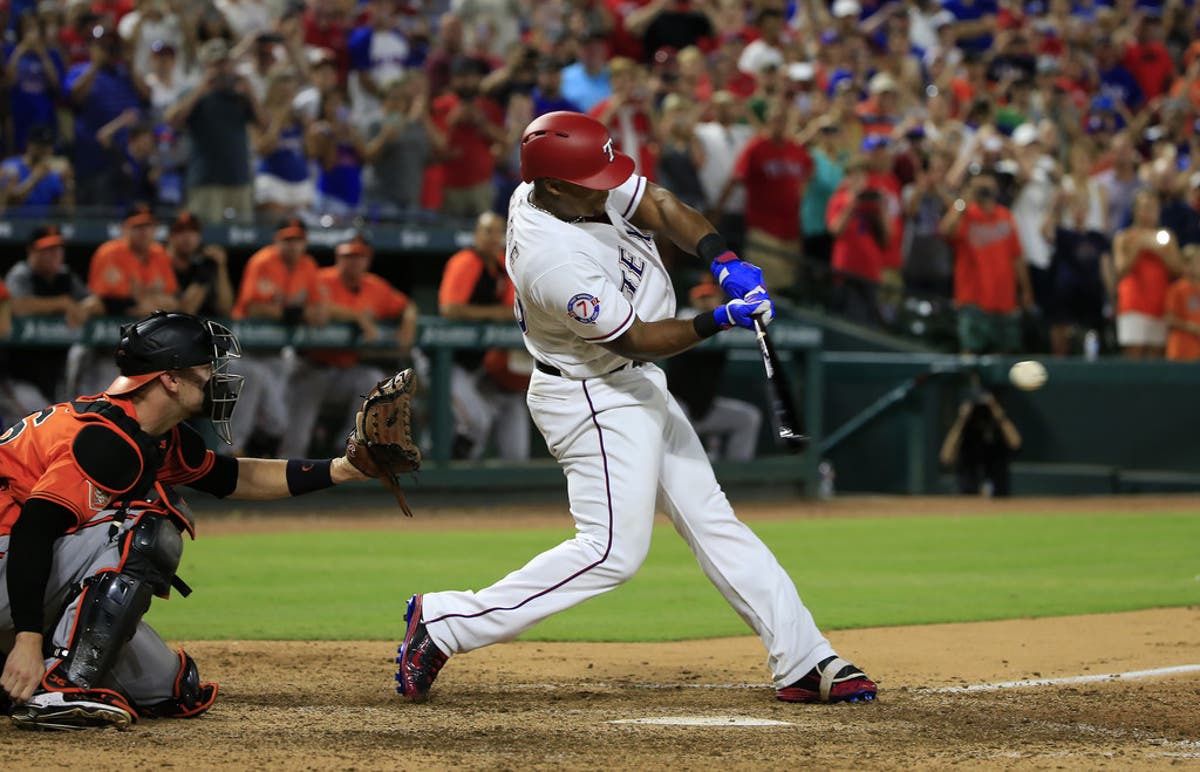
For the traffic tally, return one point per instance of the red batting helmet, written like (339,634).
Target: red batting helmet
(575,148)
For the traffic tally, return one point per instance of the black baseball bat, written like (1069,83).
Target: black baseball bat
(778,392)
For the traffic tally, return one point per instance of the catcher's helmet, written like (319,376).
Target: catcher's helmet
(573,147)
(166,341)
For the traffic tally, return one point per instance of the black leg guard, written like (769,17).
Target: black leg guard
(113,602)
(192,697)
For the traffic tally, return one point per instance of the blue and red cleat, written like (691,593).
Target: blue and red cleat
(419,657)
(832,680)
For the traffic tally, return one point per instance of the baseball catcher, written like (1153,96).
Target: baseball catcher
(91,528)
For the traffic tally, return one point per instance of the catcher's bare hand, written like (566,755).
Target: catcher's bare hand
(381,445)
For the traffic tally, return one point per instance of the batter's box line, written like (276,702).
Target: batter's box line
(1131,675)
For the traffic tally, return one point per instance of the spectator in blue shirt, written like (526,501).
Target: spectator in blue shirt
(35,70)
(586,81)
(975,20)
(547,95)
(100,91)
(1116,81)
(35,182)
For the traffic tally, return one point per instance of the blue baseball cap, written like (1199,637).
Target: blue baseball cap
(874,142)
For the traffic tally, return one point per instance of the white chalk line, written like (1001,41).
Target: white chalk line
(1130,675)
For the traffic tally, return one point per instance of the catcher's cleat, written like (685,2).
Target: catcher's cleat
(65,711)
(419,657)
(832,680)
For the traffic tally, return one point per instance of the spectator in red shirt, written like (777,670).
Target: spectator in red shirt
(859,224)
(627,116)
(448,47)
(1148,59)
(326,26)
(774,168)
(882,180)
(472,124)
(989,268)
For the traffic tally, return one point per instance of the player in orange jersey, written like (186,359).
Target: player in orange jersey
(350,293)
(91,530)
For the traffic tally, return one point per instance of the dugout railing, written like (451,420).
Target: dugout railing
(438,339)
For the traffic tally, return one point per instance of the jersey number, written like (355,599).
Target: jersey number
(36,419)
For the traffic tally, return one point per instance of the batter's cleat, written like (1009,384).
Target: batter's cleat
(65,711)
(832,680)
(419,657)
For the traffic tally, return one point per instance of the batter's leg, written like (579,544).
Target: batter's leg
(733,558)
(608,442)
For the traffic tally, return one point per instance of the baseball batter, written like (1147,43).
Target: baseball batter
(596,307)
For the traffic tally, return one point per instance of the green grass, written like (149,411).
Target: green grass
(850,573)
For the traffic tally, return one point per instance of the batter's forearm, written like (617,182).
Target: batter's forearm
(650,341)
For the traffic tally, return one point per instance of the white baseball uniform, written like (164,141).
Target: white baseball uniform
(623,442)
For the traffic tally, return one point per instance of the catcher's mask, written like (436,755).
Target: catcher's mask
(175,341)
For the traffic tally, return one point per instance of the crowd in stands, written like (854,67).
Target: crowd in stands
(1020,159)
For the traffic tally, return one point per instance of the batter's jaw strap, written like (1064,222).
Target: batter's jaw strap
(191,697)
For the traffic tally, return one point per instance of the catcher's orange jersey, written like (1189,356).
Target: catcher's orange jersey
(116,272)
(268,279)
(374,294)
(38,460)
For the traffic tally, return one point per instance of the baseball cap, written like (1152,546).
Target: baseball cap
(1024,135)
(291,228)
(801,71)
(881,83)
(706,288)
(874,142)
(138,215)
(45,236)
(846,8)
(355,247)
(185,221)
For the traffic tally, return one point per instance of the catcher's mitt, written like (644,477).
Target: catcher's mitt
(381,445)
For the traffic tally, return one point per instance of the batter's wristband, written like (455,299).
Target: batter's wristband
(306,475)
(712,247)
(705,325)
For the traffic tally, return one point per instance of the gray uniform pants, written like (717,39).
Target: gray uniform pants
(146,668)
(315,385)
(482,409)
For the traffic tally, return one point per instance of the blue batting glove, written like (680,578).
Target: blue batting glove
(741,313)
(737,277)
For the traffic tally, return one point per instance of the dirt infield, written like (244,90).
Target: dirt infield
(322,705)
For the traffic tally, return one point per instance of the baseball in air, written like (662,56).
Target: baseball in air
(1028,375)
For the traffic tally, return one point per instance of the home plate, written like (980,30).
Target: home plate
(701,721)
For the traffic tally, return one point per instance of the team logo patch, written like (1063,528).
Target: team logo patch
(584,308)
(98,499)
